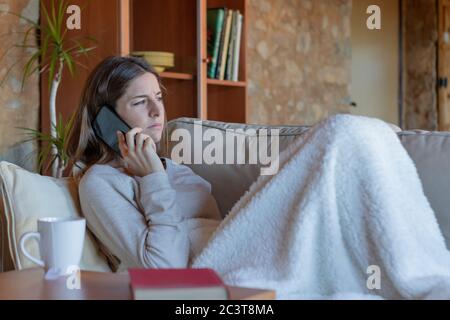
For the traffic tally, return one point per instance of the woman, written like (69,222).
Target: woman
(347,198)
(138,208)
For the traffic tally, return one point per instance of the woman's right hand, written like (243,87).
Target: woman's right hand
(139,158)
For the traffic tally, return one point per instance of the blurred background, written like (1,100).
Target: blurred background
(295,61)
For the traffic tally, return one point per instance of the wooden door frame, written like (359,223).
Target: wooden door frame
(202,60)
(402,61)
(443,113)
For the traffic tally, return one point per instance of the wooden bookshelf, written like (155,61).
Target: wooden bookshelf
(181,27)
(226,83)
(176,75)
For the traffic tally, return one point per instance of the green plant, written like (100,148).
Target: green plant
(54,52)
(62,130)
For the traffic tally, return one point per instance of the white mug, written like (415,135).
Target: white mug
(60,244)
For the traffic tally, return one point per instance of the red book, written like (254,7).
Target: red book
(177,284)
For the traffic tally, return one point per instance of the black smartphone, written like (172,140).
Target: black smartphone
(106,124)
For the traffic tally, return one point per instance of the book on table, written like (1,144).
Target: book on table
(177,284)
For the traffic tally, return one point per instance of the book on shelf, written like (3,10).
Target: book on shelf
(221,44)
(224,43)
(177,284)
(237,47)
(215,22)
(229,64)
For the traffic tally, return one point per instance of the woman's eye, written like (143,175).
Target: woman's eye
(159,98)
(139,103)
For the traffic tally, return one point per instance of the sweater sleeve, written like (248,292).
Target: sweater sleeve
(150,237)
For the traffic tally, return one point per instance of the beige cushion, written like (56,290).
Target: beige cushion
(229,182)
(430,152)
(27,197)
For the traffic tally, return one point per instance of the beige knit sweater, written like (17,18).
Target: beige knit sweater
(161,220)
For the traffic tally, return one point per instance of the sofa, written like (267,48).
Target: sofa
(27,196)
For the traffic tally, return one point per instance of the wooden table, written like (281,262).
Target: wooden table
(30,284)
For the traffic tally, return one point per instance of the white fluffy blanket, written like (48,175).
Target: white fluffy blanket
(347,198)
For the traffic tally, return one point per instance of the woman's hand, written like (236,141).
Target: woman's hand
(140,158)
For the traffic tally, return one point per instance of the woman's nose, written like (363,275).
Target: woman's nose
(154,111)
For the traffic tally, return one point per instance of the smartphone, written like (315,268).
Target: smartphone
(106,124)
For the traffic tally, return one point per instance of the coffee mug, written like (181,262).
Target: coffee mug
(60,244)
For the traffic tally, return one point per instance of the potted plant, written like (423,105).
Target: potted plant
(53,53)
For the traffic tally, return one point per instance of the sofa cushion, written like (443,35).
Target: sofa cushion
(228,182)
(27,197)
(430,152)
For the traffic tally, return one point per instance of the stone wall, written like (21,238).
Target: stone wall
(299,54)
(420,30)
(17,108)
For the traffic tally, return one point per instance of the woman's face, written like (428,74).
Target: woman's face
(142,106)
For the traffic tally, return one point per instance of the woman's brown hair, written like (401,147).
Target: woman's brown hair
(105,85)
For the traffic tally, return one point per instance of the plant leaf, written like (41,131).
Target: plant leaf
(27,69)
(69,61)
(44,46)
(50,27)
(52,66)
(6,52)
(60,18)
(9,70)
(35,24)
(27,33)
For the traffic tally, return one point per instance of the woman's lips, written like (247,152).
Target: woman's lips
(155,126)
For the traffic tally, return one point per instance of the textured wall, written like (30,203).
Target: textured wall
(420,64)
(17,108)
(299,54)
